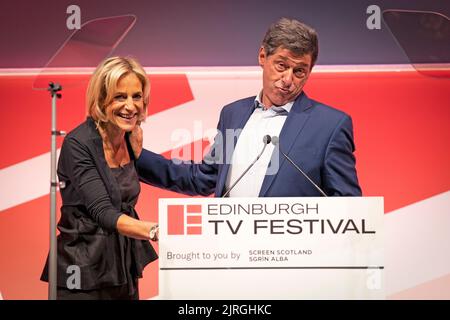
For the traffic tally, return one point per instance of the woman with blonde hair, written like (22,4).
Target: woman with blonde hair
(100,231)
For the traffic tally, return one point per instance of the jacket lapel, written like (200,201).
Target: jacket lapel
(292,127)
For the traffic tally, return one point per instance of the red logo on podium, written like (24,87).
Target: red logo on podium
(184,219)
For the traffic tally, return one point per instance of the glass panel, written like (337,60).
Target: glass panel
(86,47)
(424,36)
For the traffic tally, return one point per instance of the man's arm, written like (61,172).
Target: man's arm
(179,176)
(339,173)
(188,178)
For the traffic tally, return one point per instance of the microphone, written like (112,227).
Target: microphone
(276,142)
(266,139)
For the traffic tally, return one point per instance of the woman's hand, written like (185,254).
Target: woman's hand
(136,140)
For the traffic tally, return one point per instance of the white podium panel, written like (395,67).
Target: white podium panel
(271,248)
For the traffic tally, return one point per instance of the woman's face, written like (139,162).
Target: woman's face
(127,104)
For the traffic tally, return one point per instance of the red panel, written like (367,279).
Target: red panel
(168,91)
(194,208)
(29,111)
(175,219)
(194,230)
(401,133)
(24,244)
(401,125)
(194,220)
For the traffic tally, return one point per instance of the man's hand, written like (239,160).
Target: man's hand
(136,139)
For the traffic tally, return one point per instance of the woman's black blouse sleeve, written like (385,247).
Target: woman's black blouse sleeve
(79,166)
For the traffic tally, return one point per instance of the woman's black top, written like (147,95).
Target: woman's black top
(93,199)
(128,182)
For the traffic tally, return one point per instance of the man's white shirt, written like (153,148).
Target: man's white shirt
(250,143)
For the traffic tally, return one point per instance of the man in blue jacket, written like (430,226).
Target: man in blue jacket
(316,137)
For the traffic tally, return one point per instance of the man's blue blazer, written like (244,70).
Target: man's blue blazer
(318,138)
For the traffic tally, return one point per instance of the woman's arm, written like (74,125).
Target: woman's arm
(80,168)
(137,229)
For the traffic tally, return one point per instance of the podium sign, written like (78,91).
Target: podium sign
(271,248)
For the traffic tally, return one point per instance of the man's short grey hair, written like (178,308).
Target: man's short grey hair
(293,35)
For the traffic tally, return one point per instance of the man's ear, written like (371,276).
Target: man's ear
(261,56)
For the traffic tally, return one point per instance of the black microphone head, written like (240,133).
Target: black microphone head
(275,140)
(267,139)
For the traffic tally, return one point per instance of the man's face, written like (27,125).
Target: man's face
(284,75)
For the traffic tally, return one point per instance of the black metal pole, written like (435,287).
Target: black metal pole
(53,88)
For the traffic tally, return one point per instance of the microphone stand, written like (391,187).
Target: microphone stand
(54,88)
(266,141)
(276,142)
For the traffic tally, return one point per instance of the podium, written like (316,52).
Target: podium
(271,248)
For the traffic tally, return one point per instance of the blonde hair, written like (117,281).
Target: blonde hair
(104,81)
